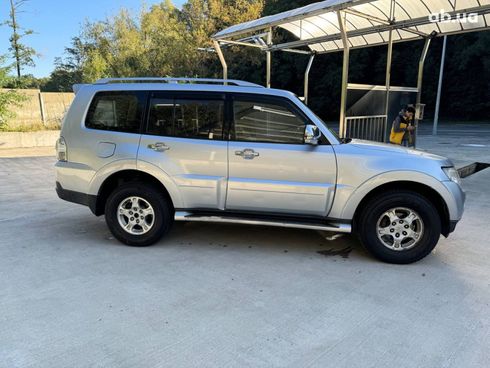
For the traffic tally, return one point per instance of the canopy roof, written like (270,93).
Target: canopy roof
(367,22)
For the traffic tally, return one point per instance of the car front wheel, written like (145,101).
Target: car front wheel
(399,227)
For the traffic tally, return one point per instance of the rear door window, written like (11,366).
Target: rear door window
(186,116)
(117,111)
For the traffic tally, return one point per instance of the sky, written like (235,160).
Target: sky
(55,22)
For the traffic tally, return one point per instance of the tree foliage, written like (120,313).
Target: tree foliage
(22,54)
(163,40)
(160,41)
(8,97)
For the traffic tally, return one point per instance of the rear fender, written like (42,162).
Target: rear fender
(150,169)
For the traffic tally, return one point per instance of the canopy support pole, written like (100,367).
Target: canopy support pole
(439,87)
(222,60)
(389,58)
(307,77)
(345,75)
(269,59)
(419,82)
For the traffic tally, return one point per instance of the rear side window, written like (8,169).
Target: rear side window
(186,117)
(116,111)
(268,122)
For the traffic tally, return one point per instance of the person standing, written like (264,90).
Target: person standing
(403,128)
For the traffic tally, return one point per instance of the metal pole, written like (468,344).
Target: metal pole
(307,77)
(268,59)
(42,109)
(439,87)
(217,47)
(345,74)
(389,58)
(420,80)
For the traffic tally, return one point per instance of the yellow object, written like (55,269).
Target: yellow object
(396,138)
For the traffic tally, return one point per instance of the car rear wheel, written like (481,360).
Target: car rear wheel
(399,227)
(138,214)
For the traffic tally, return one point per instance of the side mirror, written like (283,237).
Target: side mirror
(312,135)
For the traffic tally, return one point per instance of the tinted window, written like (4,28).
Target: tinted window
(256,121)
(186,118)
(116,111)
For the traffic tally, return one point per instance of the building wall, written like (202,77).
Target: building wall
(50,105)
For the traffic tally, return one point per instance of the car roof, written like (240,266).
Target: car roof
(181,84)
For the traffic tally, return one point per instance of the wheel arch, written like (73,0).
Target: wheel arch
(125,176)
(427,191)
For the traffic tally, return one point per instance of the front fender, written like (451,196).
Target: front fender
(347,199)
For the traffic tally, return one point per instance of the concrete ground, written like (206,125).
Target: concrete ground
(233,296)
(463,143)
(27,152)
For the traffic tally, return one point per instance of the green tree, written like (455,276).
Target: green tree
(8,97)
(22,54)
(203,18)
(159,41)
(163,40)
(68,69)
(24,82)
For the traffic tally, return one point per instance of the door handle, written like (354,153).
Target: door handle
(158,147)
(247,154)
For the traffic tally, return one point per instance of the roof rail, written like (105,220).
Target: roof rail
(232,82)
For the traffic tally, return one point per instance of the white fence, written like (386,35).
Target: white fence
(371,128)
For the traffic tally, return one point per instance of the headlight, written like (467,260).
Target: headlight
(452,174)
(61,149)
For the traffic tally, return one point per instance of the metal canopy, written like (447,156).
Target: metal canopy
(367,22)
(342,25)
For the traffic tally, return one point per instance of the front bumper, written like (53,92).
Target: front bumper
(455,205)
(455,200)
(452,226)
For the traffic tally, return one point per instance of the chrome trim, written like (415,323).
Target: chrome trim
(225,81)
(333,227)
(247,154)
(374,87)
(158,147)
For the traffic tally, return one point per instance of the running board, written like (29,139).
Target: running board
(333,227)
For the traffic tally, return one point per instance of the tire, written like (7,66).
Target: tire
(155,214)
(378,228)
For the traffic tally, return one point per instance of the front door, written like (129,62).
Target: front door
(184,138)
(271,169)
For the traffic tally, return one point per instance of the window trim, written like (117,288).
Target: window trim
(277,100)
(142,96)
(184,95)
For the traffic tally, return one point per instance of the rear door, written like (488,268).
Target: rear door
(184,138)
(271,169)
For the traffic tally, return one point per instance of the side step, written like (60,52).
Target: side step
(333,227)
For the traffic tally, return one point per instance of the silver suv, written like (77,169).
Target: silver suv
(148,152)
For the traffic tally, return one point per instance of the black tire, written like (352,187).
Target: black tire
(376,207)
(162,208)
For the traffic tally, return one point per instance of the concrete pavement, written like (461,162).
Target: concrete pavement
(463,143)
(27,152)
(230,296)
